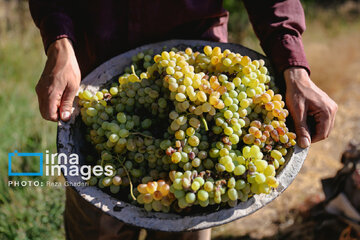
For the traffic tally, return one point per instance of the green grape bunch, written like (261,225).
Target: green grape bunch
(189,129)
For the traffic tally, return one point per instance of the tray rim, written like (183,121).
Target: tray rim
(169,222)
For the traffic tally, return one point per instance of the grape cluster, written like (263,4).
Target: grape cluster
(189,128)
(155,196)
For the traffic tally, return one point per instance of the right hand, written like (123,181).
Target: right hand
(59,81)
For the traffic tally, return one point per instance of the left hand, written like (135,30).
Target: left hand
(304,98)
(59,81)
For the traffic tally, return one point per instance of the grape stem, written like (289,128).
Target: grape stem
(131,185)
(141,134)
(133,70)
(128,175)
(205,123)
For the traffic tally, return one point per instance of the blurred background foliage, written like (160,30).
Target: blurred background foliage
(36,212)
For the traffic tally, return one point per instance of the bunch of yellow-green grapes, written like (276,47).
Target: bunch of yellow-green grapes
(155,196)
(189,128)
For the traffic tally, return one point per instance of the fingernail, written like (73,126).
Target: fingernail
(65,116)
(304,142)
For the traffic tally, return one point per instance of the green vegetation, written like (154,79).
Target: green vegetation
(25,212)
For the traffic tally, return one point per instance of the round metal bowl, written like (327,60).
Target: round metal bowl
(71,140)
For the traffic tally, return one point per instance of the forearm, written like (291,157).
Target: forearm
(279,25)
(63,45)
(53,18)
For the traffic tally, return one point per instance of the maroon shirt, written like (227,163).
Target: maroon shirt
(101,29)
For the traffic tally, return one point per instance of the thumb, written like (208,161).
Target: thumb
(67,101)
(301,128)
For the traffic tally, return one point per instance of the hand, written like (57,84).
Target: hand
(304,98)
(59,81)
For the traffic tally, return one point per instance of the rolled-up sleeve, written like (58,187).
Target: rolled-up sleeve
(53,18)
(279,26)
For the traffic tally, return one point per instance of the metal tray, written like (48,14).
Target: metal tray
(71,140)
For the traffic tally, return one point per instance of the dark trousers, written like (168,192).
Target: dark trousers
(85,221)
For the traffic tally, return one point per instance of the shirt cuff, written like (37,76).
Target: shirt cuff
(288,52)
(56,26)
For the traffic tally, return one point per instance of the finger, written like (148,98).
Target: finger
(301,128)
(323,126)
(48,105)
(67,102)
(52,108)
(333,116)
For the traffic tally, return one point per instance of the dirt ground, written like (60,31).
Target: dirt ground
(334,58)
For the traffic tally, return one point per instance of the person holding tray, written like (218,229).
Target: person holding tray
(78,36)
